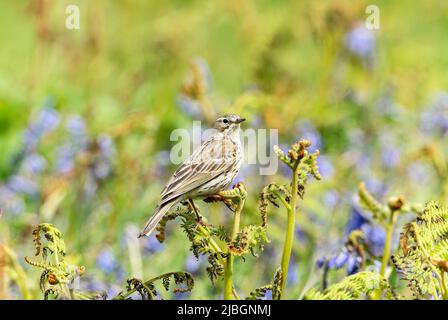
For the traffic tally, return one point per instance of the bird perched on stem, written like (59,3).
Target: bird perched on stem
(210,169)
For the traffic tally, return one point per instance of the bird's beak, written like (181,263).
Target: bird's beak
(240,120)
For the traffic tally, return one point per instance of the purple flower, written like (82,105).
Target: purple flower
(33,164)
(353,264)
(77,129)
(162,162)
(325,167)
(152,244)
(320,262)
(360,41)
(65,159)
(293,273)
(420,172)
(20,184)
(194,265)
(375,238)
(46,121)
(390,154)
(356,221)
(331,198)
(10,201)
(339,260)
(107,262)
(189,106)
(434,119)
(102,165)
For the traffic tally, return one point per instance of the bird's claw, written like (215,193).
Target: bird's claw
(217,198)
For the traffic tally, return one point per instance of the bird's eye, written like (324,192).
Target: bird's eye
(225,121)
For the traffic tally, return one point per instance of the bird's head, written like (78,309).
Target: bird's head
(228,123)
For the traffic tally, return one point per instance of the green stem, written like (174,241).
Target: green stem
(228,273)
(388,242)
(289,238)
(386,252)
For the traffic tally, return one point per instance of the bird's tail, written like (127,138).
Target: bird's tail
(154,220)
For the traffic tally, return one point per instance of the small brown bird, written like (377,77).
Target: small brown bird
(210,169)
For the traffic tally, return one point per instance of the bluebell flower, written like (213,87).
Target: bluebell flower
(152,244)
(189,106)
(162,162)
(300,234)
(434,118)
(331,198)
(256,122)
(21,184)
(46,121)
(353,264)
(106,145)
(386,104)
(102,164)
(33,164)
(77,129)
(90,186)
(390,154)
(350,259)
(339,260)
(10,201)
(325,167)
(194,265)
(205,72)
(420,172)
(361,42)
(306,130)
(320,262)
(65,162)
(107,262)
(293,273)
(375,186)
(356,221)
(375,238)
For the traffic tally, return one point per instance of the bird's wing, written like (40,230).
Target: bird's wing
(211,159)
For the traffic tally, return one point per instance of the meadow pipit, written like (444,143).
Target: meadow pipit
(210,169)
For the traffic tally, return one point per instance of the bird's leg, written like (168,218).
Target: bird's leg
(196,211)
(218,197)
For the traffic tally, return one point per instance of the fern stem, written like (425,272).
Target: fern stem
(228,272)
(289,238)
(388,242)
(386,251)
(217,249)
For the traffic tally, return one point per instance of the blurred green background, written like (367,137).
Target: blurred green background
(86,116)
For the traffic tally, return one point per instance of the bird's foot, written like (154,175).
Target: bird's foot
(219,198)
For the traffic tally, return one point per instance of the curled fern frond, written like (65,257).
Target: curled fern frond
(183,281)
(353,287)
(378,210)
(57,276)
(250,238)
(161,227)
